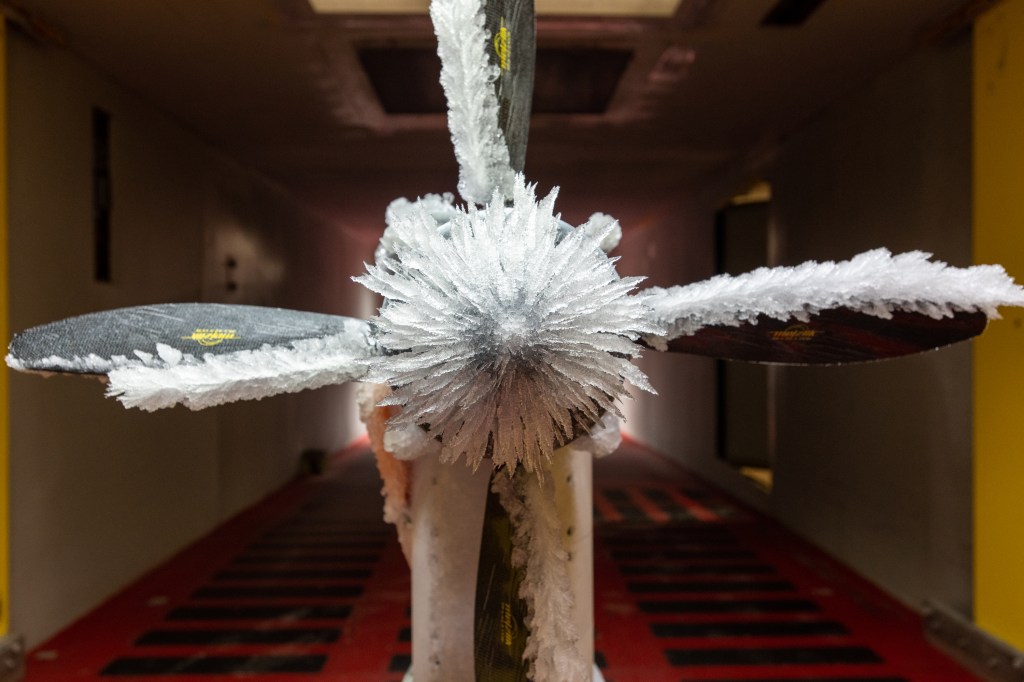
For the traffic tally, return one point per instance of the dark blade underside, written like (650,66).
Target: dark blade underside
(831,337)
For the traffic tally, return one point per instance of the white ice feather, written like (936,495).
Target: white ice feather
(468,81)
(212,380)
(608,226)
(440,206)
(88,364)
(604,439)
(875,283)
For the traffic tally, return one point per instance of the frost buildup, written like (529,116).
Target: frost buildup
(499,340)
(171,377)
(537,548)
(468,78)
(875,283)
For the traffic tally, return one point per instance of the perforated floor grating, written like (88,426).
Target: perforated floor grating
(311,584)
(692,587)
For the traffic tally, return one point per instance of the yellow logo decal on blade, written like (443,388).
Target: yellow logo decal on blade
(798,332)
(502,47)
(509,627)
(211,337)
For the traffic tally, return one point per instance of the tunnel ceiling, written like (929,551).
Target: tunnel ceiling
(320,101)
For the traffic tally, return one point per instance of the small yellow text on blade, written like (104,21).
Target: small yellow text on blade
(211,337)
(798,332)
(502,47)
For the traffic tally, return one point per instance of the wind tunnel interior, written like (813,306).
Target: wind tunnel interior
(245,152)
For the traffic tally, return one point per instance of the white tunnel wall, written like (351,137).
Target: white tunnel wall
(100,494)
(873,461)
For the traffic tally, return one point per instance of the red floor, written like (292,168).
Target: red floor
(311,585)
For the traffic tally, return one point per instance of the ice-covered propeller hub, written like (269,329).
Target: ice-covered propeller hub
(504,333)
(510,337)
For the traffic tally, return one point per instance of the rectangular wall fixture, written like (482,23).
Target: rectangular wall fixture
(101,193)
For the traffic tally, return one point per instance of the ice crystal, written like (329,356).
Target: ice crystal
(500,338)
(875,283)
(172,378)
(467,78)
(609,227)
(440,206)
(552,648)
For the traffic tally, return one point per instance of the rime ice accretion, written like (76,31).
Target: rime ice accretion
(505,334)
(210,380)
(167,377)
(467,76)
(500,338)
(874,283)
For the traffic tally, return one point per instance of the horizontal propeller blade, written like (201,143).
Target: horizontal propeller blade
(199,354)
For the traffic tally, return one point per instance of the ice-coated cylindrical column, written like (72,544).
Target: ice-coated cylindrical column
(447,508)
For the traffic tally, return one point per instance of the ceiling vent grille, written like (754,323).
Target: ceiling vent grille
(567,80)
(791,12)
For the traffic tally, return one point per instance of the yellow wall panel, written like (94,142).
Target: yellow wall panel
(999,353)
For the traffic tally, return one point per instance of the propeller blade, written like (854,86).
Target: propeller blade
(487,57)
(871,307)
(198,354)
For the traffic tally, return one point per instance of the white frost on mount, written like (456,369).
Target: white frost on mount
(468,78)
(496,338)
(537,549)
(875,283)
(212,380)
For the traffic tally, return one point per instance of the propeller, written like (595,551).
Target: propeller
(491,302)
(505,333)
